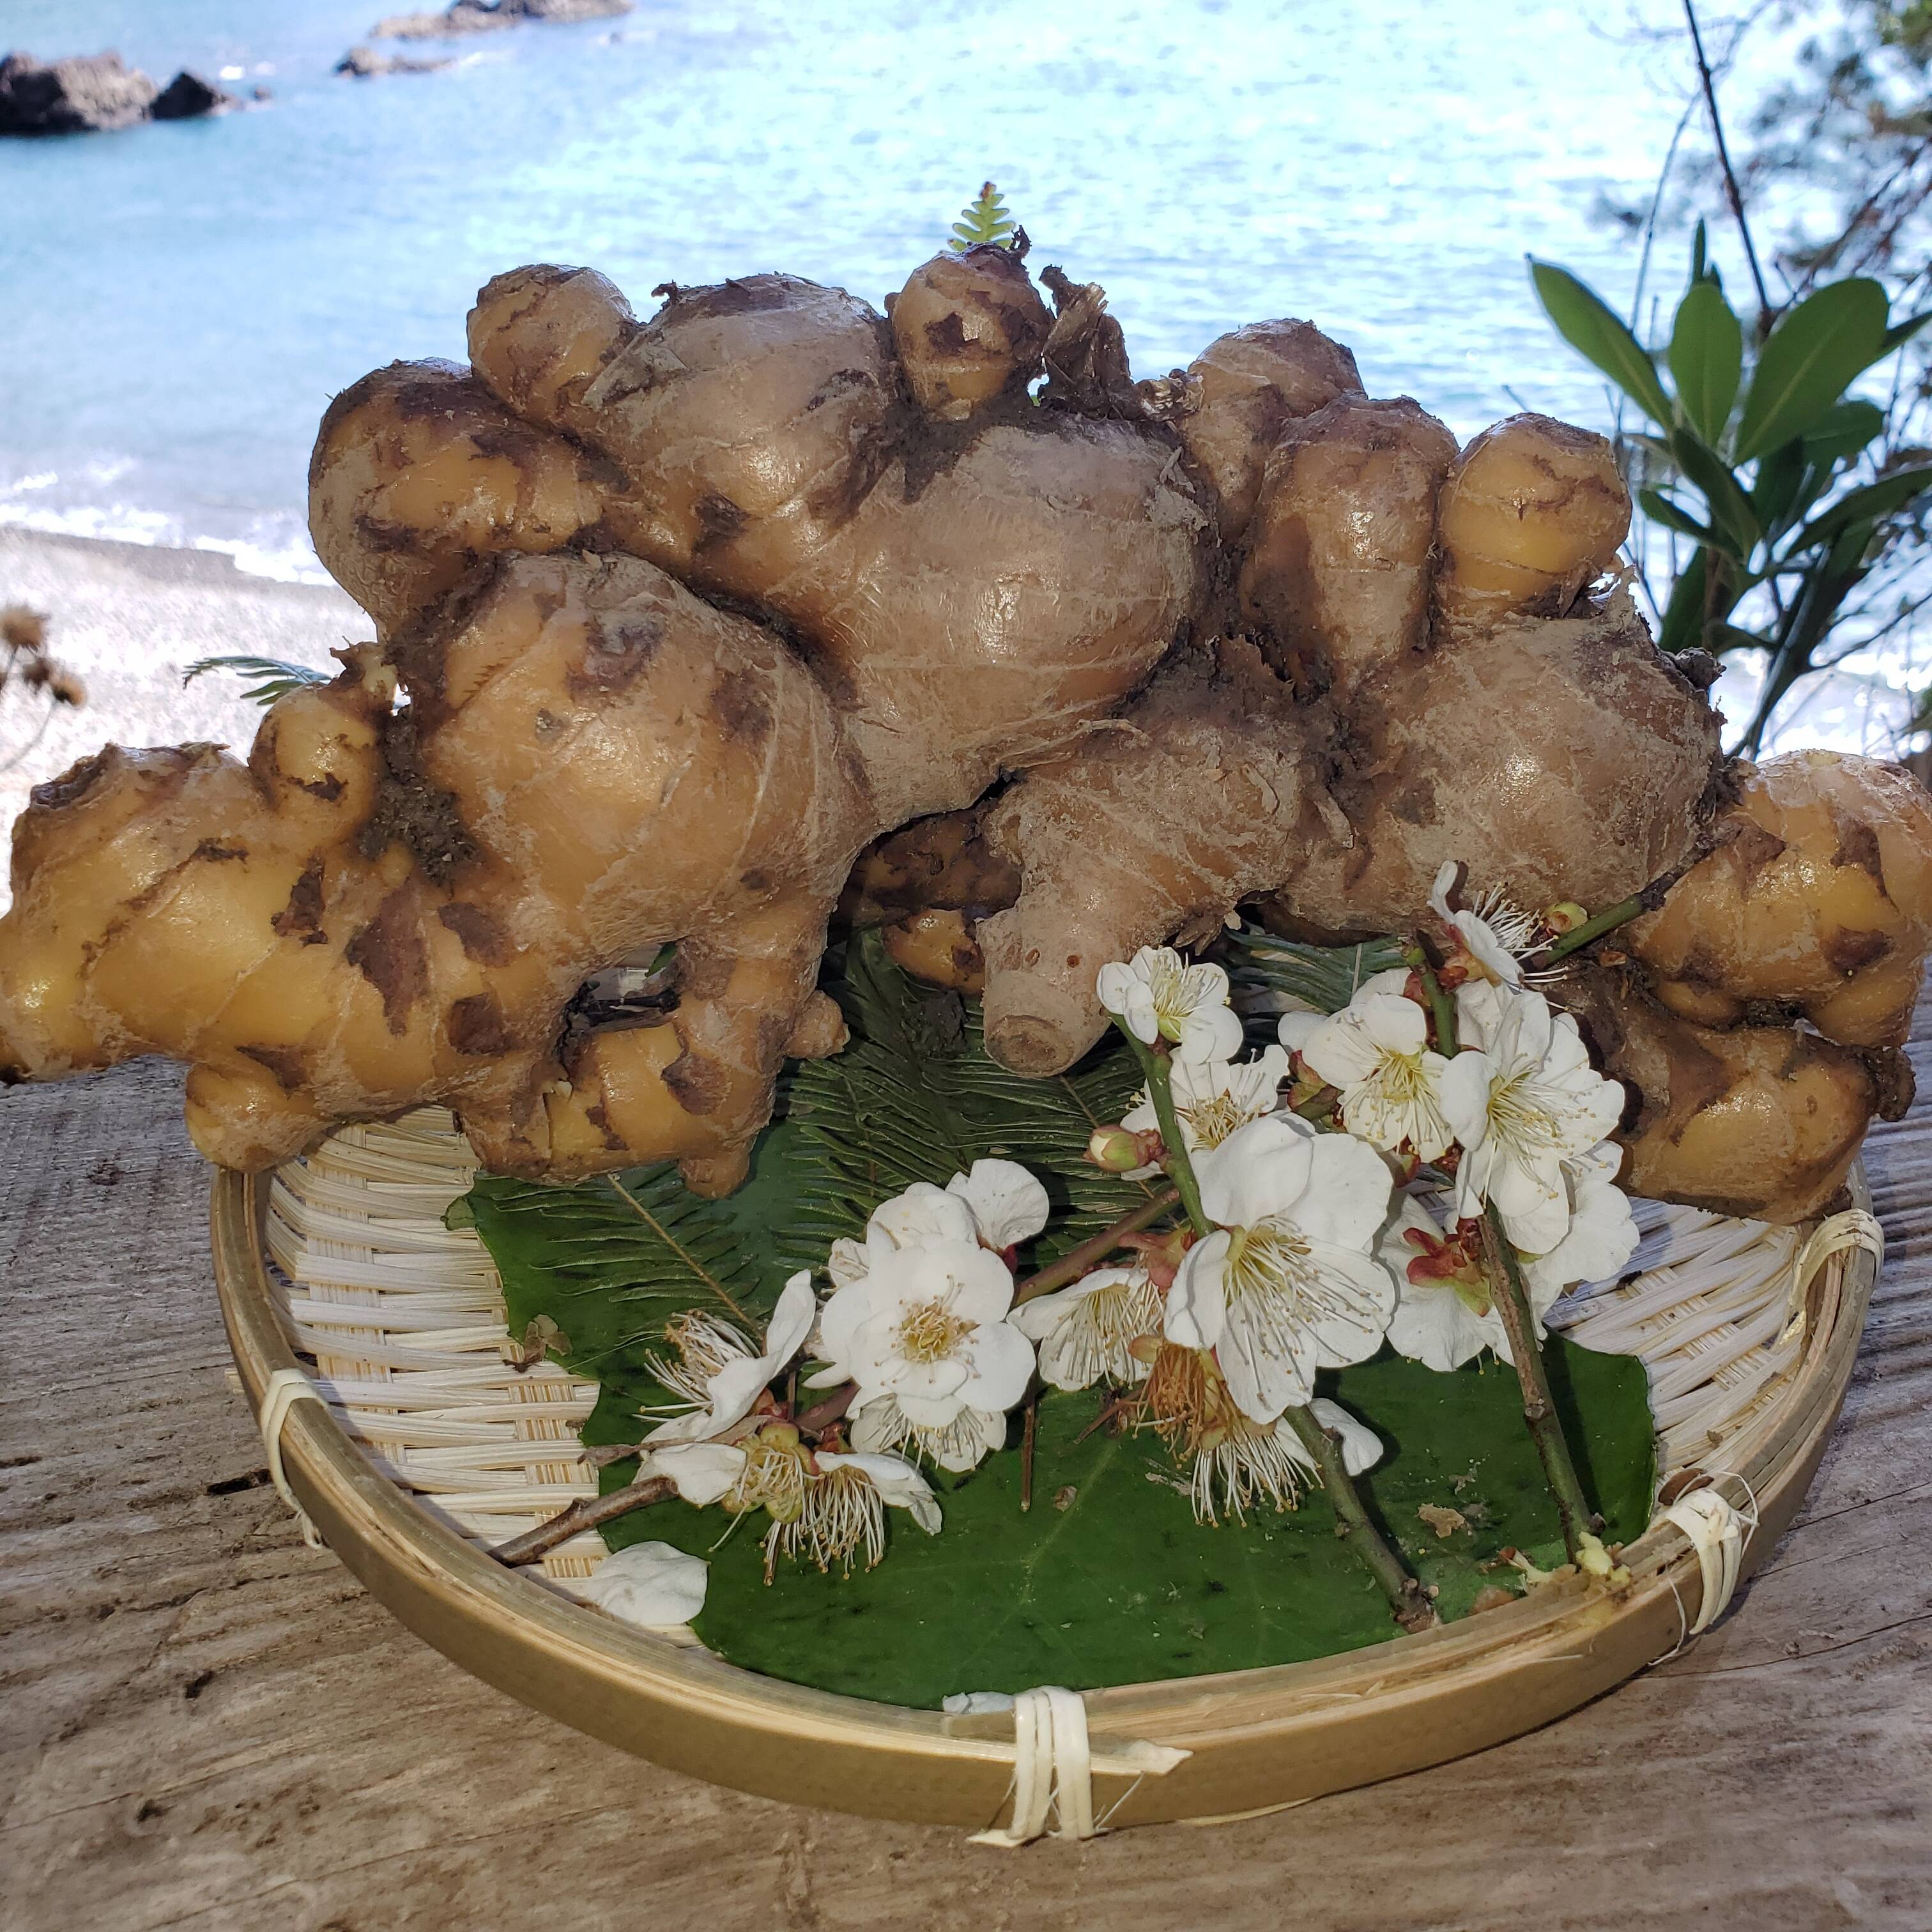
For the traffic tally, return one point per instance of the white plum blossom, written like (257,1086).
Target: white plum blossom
(1213,1098)
(960,1444)
(1361,1447)
(720,1374)
(1375,1051)
(1287,1282)
(650,1584)
(826,1506)
(1603,1233)
(1496,933)
(925,1328)
(1161,996)
(1522,1099)
(1088,1331)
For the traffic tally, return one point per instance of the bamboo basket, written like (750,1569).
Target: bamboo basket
(428,1444)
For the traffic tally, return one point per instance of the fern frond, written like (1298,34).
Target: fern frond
(983,221)
(1324,977)
(272,679)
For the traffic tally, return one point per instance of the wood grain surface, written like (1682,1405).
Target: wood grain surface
(202,1723)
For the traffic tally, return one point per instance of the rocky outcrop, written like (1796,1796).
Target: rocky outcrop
(365,64)
(187,96)
(95,94)
(88,94)
(479,16)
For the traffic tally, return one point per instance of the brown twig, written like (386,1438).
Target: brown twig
(592,1513)
(1029,1432)
(1732,192)
(821,1415)
(1076,1262)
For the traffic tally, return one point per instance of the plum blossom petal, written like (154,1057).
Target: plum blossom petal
(703,1473)
(1602,1233)
(649,1584)
(1443,1313)
(1009,1205)
(1495,933)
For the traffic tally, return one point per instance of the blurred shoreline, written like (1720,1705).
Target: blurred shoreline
(129,619)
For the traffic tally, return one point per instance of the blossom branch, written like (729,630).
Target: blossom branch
(1539,1408)
(1077,1261)
(1440,1008)
(592,1513)
(1407,1598)
(1160,1090)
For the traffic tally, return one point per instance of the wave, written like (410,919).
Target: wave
(273,545)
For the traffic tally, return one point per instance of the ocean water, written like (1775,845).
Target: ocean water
(178,303)
(181,301)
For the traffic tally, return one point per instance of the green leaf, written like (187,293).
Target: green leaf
(1121,1585)
(1584,321)
(1672,514)
(1327,977)
(1707,357)
(983,221)
(1900,333)
(1843,431)
(274,680)
(1683,625)
(1868,505)
(1731,511)
(1828,340)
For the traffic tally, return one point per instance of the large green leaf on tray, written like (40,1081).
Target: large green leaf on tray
(1108,1580)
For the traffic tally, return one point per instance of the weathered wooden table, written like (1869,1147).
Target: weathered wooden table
(202,1723)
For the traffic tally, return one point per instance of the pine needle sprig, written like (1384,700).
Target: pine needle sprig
(271,679)
(1324,977)
(984,222)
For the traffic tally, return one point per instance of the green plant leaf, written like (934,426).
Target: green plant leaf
(1327,977)
(1707,358)
(1868,505)
(1673,515)
(1121,1585)
(1731,511)
(1827,341)
(1900,333)
(272,678)
(1587,324)
(983,221)
(1683,624)
(1842,430)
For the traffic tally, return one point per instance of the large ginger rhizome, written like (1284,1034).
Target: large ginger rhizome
(679,621)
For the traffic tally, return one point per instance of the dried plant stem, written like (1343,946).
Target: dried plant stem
(1407,1599)
(1539,1408)
(1076,1262)
(1028,1435)
(592,1513)
(821,1415)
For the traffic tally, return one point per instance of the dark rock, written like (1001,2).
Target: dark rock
(89,93)
(479,16)
(365,64)
(187,95)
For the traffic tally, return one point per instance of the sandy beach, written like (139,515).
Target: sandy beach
(129,619)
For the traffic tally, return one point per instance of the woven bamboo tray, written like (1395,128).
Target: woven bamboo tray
(429,1445)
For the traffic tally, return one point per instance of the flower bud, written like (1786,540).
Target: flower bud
(1115,1149)
(1564,916)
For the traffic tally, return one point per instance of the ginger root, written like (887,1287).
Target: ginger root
(693,629)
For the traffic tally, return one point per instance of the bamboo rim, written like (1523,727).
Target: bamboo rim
(1257,1740)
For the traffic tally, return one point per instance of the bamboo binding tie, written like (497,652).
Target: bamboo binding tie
(1053,1769)
(286,1387)
(1853,1229)
(1718,1531)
